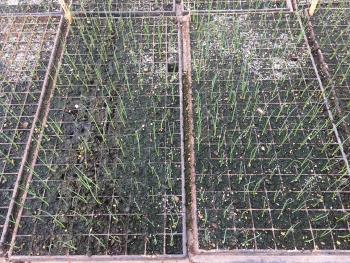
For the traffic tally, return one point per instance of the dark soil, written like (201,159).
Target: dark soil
(108,177)
(269,173)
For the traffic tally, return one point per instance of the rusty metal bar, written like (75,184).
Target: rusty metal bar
(270,257)
(193,245)
(167,258)
(261,256)
(324,68)
(179,11)
(326,100)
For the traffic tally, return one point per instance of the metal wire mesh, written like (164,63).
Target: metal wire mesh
(108,179)
(28,6)
(332,30)
(214,5)
(40,6)
(270,167)
(25,49)
(123,5)
(270,173)
(325,3)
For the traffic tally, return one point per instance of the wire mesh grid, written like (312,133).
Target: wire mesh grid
(26,44)
(270,173)
(40,6)
(324,3)
(332,30)
(28,6)
(123,5)
(108,178)
(214,5)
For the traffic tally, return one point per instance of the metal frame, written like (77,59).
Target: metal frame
(182,185)
(316,87)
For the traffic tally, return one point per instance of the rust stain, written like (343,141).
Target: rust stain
(193,246)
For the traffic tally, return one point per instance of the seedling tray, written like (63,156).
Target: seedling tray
(108,179)
(270,173)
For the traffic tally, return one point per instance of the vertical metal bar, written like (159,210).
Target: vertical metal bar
(66,11)
(193,246)
(179,10)
(290,5)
